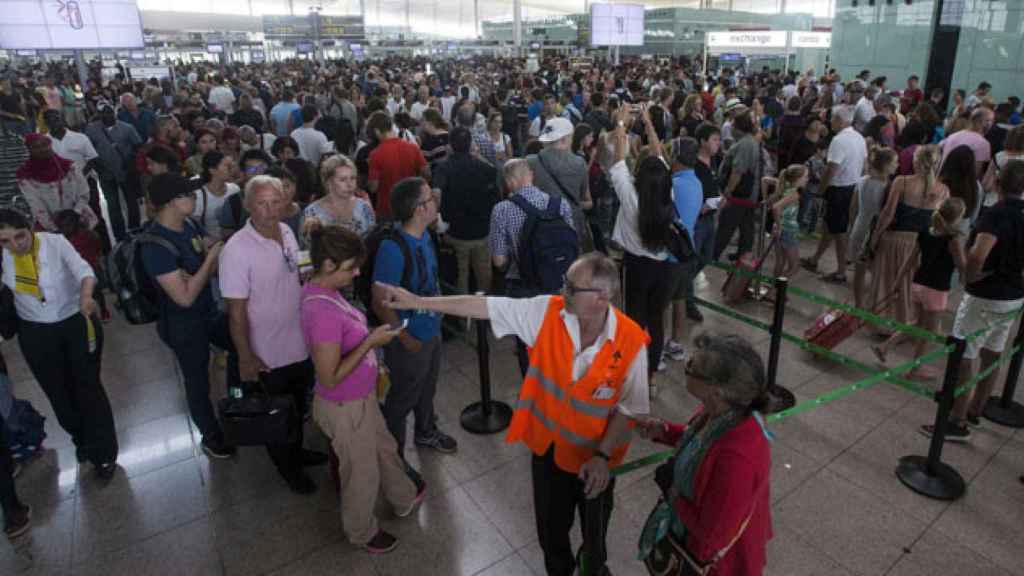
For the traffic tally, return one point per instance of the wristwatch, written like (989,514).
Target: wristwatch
(602,456)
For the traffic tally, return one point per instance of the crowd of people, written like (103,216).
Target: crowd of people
(314,222)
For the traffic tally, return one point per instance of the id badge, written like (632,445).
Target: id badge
(604,393)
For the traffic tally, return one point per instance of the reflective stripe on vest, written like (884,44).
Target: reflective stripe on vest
(554,408)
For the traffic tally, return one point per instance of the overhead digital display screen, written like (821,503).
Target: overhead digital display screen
(70,24)
(616,25)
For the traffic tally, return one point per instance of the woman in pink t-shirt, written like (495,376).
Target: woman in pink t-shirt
(345,407)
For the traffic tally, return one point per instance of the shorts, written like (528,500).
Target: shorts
(930,299)
(837,208)
(679,281)
(789,241)
(979,314)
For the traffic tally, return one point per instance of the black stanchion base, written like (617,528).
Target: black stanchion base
(476,421)
(783,397)
(1012,415)
(947,484)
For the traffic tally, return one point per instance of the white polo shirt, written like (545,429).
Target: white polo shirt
(75,146)
(524,317)
(849,151)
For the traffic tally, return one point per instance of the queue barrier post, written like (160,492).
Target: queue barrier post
(929,476)
(783,397)
(486,416)
(1003,409)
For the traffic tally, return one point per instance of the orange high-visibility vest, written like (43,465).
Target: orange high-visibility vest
(573,415)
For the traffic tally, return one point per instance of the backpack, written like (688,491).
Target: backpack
(136,291)
(364,282)
(25,430)
(548,245)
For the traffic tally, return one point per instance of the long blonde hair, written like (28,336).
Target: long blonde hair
(926,163)
(946,220)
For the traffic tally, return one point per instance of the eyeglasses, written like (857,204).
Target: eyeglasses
(572,290)
(432,198)
(258,169)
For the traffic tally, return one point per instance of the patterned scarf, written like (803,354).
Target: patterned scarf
(26,271)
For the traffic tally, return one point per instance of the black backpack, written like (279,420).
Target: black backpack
(136,291)
(548,245)
(364,282)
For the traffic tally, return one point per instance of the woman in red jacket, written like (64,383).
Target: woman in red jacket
(715,501)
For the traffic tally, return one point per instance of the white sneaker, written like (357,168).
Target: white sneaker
(661,365)
(674,350)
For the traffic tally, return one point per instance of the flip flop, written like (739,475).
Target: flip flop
(835,278)
(879,353)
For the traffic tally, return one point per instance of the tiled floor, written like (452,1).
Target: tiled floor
(838,507)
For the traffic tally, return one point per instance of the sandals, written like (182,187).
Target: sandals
(879,353)
(835,278)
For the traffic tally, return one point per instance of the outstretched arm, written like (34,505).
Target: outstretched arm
(398,298)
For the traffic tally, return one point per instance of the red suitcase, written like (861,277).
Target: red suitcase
(831,328)
(735,287)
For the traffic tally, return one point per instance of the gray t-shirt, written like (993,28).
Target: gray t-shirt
(744,156)
(571,172)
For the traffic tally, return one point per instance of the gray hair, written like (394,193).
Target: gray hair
(515,168)
(603,271)
(731,363)
(259,182)
(844,113)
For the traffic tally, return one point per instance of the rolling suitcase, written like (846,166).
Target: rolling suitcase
(735,286)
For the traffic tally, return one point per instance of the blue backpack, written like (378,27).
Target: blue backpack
(548,245)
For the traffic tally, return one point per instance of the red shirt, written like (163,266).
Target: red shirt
(393,160)
(732,479)
(87,244)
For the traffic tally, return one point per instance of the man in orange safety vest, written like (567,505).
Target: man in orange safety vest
(585,386)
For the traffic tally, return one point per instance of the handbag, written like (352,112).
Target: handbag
(679,242)
(8,314)
(258,419)
(669,557)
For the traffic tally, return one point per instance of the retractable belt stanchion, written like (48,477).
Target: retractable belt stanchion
(486,416)
(930,476)
(1003,409)
(785,398)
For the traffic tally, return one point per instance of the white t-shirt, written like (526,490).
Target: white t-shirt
(524,318)
(211,203)
(416,111)
(312,144)
(447,103)
(223,99)
(849,151)
(75,146)
(863,113)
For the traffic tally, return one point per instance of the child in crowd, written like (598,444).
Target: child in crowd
(867,202)
(810,198)
(87,244)
(785,204)
(942,252)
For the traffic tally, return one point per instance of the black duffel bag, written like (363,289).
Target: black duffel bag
(257,419)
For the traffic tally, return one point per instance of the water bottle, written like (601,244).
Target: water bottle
(235,392)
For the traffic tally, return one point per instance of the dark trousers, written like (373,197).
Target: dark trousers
(557,495)
(413,386)
(58,356)
(704,246)
(729,219)
(193,354)
(8,497)
(648,293)
(294,381)
(113,191)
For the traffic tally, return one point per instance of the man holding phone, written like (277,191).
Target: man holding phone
(414,358)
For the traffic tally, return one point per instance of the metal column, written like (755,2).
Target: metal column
(517,26)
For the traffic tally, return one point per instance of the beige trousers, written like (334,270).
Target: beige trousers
(475,254)
(367,461)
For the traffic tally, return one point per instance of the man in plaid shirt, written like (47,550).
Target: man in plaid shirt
(507,222)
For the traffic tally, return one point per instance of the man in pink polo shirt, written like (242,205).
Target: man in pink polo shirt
(259,279)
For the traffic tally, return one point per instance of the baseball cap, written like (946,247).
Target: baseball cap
(164,188)
(555,130)
(733,104)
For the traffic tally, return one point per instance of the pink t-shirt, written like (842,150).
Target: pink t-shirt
(328,318)
(266,274)
(977,143)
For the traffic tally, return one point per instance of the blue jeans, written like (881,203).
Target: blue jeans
(704,246)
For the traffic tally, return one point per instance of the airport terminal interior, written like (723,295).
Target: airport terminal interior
(782,260)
